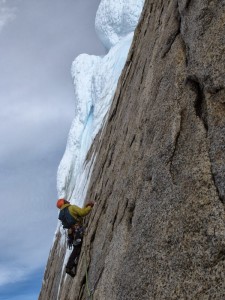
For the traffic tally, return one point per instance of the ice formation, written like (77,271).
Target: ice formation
(95,80)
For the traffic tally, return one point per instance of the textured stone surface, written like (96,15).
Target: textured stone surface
(52,277)
(158,229)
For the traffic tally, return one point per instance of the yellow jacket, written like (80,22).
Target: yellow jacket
(77,212)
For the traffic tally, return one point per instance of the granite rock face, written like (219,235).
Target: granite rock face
(158,228)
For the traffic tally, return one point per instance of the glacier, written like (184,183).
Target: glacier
(95,79)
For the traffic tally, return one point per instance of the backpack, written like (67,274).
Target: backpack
(66,218)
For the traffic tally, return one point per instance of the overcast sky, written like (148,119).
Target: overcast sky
(38,41)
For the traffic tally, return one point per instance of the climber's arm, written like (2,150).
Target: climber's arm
(82,212)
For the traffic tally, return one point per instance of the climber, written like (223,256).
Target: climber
(71,217)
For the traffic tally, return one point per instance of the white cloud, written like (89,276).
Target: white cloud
(7,14)
(11,274)
(27,242)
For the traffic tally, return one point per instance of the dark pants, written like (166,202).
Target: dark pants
(75,254)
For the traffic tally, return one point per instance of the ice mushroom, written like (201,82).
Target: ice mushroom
(95,80)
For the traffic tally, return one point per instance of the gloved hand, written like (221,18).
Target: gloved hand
(90,203)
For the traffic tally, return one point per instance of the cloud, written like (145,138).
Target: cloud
(27,289)
(27,130)
(6,275)
(7,14)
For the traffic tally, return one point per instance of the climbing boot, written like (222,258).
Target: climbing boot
(71,272)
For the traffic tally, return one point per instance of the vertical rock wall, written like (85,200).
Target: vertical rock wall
(158,228)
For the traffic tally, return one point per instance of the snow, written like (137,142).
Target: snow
(117,18)
(95,79)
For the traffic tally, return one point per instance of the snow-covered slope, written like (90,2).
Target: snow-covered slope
(95,80)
